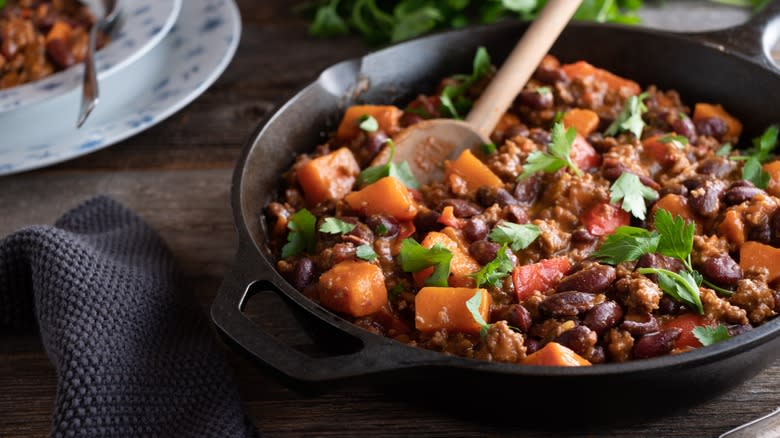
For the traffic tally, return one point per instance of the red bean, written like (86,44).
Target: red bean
(516,131)
(716,166)
(774,223)
(648,324)
(593,279)
(342,252)
(532,345)
(302,274)
(737,329)
(475,229)
(668,306)
(483,251)
(582,235)
(540,136)
(536,100)
(487,196)
(603,316)
(760,232)
(383,226)
(515,315)
(59,53)
(528,189)
(739,194)
(706,200)
(570,303)
(683,125)
(427,220)
(656,344)
(462,208)
(516,214)
(722,270)
(579,339)
(712,127)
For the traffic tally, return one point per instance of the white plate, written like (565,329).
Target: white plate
(143,24)
(189,59)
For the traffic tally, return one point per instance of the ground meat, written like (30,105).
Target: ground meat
(551,329)
(625,156)
(508,162)
(551,238)
(756,298)
(639,293)
(706,247)
(619,345)
(568,196)
(717,309)
(532,304)
(457,343)
(502,344)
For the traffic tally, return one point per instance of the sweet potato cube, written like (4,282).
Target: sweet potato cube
(582,70)
(677,206)
(556,355)
(473,172)
(387,196)
(757,255)
(356,288)
(439,308)
(707,110)
(773,169)
(584,121)
(733,228)
(329,176)
(59,31)
(387,116)
(462,264)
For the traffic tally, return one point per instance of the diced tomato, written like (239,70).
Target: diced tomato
(420,276)
(604,218)
(392,324)
(406,229)
(539,276)
(583,154)
(687,322)
(448,218)
(658,150)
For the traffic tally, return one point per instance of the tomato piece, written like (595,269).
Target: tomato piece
(448,218)
(604,218)
(583,154)
(539,276)
(687,322)
(658,150)
(406,229)
(420,276)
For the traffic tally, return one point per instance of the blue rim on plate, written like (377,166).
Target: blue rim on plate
(180,68)
(143,25)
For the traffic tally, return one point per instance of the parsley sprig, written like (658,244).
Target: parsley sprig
(366,252)
(496,270)
(761,152)
(473,305)
(414,257)
(679,141)
(301,236)
(517,236)
(630,189)
(332,225)
(709,335)
(630,117)
(401,171)
(558,154)
(453,100)
(368,123)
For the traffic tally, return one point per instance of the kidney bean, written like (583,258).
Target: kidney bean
(579,339)
(475,229)
(550,75)
(647,325)
(760,233)
(716,166)
(684,126)
(597,355)
(516,131)
(487,196)
(516,214)
(706,204)
(540,136)
(737,329)
(722,270)
(59,53)
(739,194)
(527,189)
(383,226)
(531,345)
(360,235)
(673,189)
(612,173)
(535,99)
(694,182)
(483,251)
(342,252)
(712,127)
(582,235)
(515,315)
(593,279)
(462,208)
(374,141)
(427,220)
(656,344)
(668,306)
(302,274)
(655,260)
(742,183)
(603,316)
(569,303)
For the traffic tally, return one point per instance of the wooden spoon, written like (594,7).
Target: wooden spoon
(427,144)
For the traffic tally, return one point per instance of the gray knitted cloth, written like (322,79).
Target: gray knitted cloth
(133,356)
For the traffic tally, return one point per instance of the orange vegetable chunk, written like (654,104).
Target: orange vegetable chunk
(439,308)
(658,150)
(539,276)
(677,206)
(330,176)
(474,172)
(707,110)
(386,196)
(387,116)
(733,228)
(583,154)
(687,322)
(555,355)
(773,169)
(584,121)
(582,70)
(356,288)
(757,255)
(59,31)
(462,264)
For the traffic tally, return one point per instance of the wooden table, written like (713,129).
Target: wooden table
(177,176)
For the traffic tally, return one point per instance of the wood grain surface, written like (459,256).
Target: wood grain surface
(177,176)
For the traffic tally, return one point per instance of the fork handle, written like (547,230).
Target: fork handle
(89,91)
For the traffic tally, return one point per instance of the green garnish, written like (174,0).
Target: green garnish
(709,335)
(488,148)
(492,273)
(558,154)
(301,236)
(627,244)
(630,189)
(413,257)
(544,90)
(759,154)
(473,306)
(676,236)
(558,116)
(400,171)
(327,21)
(333,225)
(680,286)
(724,150)
(679,141)
(517,236)
(381,230)
(366,252)
(368,123)
(453,101)
(630,117)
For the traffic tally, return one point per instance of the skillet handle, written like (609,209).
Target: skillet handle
(376,354)
(753,39)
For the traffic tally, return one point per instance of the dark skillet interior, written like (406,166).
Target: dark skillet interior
(698,71)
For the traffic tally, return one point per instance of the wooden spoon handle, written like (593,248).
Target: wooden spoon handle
(520,65)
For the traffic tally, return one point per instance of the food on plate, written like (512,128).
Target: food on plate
(39,38)
(606,222)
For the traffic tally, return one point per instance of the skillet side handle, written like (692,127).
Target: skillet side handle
(753,39)
(376,355)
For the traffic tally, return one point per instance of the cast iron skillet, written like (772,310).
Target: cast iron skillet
(730,67)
